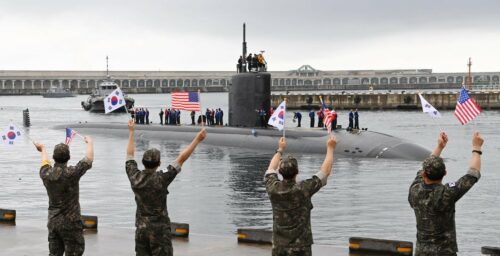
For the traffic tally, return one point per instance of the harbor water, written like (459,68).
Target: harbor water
(221,189)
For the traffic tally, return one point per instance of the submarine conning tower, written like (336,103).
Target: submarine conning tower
(248,93)
(250,90)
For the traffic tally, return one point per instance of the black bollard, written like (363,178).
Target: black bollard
(89,222)
(258,236)
(490,251)
(26,118)
(179,229)
(8,216)
(380,246)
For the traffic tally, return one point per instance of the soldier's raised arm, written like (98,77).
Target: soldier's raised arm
(131,141)
(41,148)
(90,148)
(442,141)
(184,155)
(326,167)
(477,143)
(459,188)
(273,165)
(319,179)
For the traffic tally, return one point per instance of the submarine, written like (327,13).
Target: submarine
(249,91)
(361,144)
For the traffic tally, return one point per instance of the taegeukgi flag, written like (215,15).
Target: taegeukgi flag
(10,135)
(114,101)
(428,108)
(278,118)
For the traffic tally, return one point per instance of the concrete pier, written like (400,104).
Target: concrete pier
(384,100)
(26,240)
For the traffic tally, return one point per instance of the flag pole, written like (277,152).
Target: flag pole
(323,111)
(77,134)
(126,109)
(330,131)
(284,120)
(437,123)
(201,109)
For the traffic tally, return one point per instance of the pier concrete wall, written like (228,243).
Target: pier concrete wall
(384,100)
(305,78)
(88,91)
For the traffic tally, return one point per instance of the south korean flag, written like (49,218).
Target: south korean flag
(278,118)
(428,108)
(10,135)
(114,101)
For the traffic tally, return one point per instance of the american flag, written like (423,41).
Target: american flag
(70,133)
(466,108)
(189,101)
(328,117)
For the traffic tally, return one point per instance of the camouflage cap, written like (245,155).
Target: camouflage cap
(434,167)
(151,155)
(288,167)
(61,153)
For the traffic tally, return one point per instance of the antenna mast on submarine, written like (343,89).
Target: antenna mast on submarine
(244,56)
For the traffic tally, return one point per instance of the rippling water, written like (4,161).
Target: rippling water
(221,189)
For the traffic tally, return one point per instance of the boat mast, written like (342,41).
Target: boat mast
(469,77)
(107,69)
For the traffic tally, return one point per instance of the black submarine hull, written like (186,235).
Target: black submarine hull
(357,144)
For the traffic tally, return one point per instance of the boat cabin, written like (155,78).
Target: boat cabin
(105,88)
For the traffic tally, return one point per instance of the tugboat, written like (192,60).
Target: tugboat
(95,102)
(58,92)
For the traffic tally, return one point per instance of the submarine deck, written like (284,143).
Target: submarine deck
(27,240)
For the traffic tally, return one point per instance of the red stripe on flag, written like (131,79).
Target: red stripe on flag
(460,117)
(465,115)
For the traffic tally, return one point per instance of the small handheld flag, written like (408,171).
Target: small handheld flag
(201,113)
(70,133)
(114,101)
(278,118)
(466,109)
(328,115)
(10,135)
(428,108)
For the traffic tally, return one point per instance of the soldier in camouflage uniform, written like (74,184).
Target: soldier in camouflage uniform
(61,181)
(152,235)
(434,203)
(291,201)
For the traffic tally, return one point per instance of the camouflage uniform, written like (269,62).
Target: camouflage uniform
(152,236)
(291,202)
(434,206)
(65,222)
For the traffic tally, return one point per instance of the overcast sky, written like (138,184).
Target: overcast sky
(207,34)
